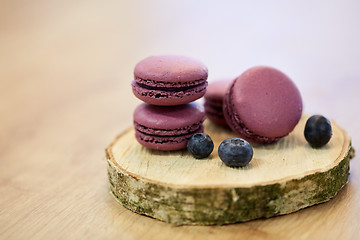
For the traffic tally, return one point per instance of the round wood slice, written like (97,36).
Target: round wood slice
(174,187)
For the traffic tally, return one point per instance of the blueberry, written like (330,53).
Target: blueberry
(317,131)
(235,152)
(200,145)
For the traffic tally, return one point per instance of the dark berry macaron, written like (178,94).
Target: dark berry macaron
(262,105)
(167,128)
(214,100)
(169,80)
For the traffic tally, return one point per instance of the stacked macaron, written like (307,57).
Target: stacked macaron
(168,85)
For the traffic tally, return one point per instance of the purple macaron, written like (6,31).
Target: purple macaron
(169,80)
(262,105)
(167,128)
(214,100)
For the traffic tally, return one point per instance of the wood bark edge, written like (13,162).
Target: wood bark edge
(218,206)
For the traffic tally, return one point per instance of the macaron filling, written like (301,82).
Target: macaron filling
(167,132)
(181,138)
(166,139)
(166,85)
(164,90)
(169,89)
(214,103)
(238,125)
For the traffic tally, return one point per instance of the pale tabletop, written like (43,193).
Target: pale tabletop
(65,73)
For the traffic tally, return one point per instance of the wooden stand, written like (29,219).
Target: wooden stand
(175,187)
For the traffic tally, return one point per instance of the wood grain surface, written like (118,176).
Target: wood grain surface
(290,158)
(65,73)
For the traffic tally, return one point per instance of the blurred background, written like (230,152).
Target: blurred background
(66,68)
(52,49)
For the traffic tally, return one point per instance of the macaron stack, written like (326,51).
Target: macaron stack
(168,85)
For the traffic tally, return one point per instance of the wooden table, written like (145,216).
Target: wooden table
(65,73)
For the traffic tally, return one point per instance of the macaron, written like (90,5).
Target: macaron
(262,105)
(214,100)
(169,80)
(167,128)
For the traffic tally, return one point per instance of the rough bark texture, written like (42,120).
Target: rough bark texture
(217,206)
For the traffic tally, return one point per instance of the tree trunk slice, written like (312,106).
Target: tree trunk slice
(175,187)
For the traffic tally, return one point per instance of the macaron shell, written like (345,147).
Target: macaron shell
(216,91)
(235,123)
(266,102)
(164,117)
(170,68)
